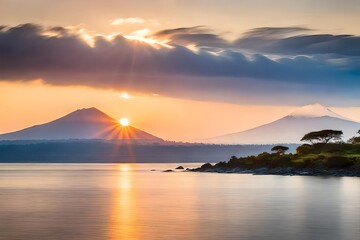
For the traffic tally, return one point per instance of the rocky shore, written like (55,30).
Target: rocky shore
(353,171)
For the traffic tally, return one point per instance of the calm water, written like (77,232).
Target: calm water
(128,201)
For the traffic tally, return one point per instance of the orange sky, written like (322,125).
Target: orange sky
(242,75)
(228,16)
(26,104)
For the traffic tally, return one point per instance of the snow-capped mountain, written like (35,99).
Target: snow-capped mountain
(291,128)
(87,123)
(315,110)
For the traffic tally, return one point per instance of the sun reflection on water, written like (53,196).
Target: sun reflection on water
(123,211)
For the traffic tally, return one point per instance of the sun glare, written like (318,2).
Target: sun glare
(142,36)
(124,122)
(151,41)
(125,95)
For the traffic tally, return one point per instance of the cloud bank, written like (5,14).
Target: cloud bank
(265,65)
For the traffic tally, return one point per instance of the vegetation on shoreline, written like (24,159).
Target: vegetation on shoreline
(322,156)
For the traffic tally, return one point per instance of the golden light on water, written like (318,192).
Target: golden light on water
(131,218)
(124,122)
(123,212)
(125,167)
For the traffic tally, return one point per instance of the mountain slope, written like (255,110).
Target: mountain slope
(315,110)
(89,123)
(292,128)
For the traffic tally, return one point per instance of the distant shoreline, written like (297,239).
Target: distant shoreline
(93,151)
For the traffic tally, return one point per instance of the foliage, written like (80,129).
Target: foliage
(354,140)
(319,155)
(304,149)
(280,149)
(323,136)
(338,162)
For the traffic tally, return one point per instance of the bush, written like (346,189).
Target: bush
(222,164)
(307,163)
(264,156)
(304,149)
(354,140)
(281,161)
(338,162)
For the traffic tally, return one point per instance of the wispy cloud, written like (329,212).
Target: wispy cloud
(275,31)
(286,41)
(193,36)
(133,20)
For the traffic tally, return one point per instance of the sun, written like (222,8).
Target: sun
(124,122)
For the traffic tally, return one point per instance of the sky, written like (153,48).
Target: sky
(181,70)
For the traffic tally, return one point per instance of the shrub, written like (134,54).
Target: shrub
(281,161)
(264,156)
(221,164)
(304,149)
(354,140)
(338,162)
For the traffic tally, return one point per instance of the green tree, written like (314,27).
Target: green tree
(354,140)
(323,136)
(280,149)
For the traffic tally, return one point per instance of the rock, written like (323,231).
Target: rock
(169,170)
(180,167)
(206,166)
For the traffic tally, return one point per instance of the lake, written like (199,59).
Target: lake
(129,201)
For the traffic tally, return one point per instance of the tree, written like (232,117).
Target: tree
(354,140)
(323,136)
(280,149)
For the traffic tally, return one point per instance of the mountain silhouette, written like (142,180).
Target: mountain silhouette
(87,123)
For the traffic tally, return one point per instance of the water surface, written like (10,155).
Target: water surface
(128,201)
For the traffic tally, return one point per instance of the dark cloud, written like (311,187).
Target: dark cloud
(183,30)
(198,35)
(270,40)
(200,39)
(287,41)
(275,31)
(30,51)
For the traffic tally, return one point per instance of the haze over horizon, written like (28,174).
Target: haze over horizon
(212,72)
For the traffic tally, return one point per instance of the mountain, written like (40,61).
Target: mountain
(315,110)
(291,128)
(87,123)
